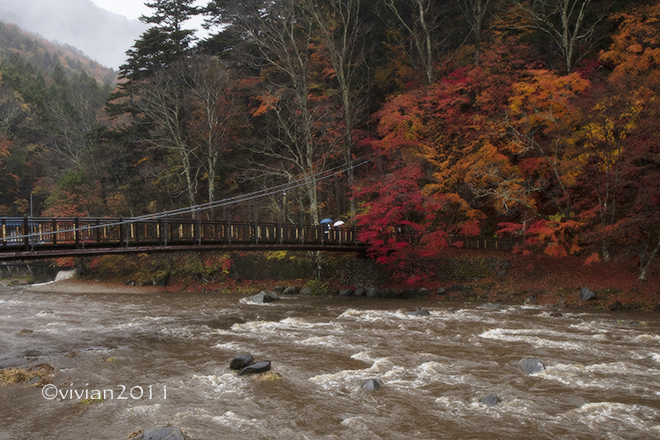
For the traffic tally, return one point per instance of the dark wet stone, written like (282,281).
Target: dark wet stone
(556,314)
(264,297)
(388,293)
(345,292)
(532,299)
(490,306)
(531,365)
(278,289)
(491,400)
(164,433)
(459,288)
(372,384)
(241,361)
(616,306)
(419,312)
(440,291)
(586,294)
(257,367)
(291,290)
(359,292)
(372,292)
(307,291)
(416,293)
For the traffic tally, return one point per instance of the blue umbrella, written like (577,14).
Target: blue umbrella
(326,220)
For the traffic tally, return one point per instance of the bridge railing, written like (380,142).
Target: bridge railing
(47,233)
(61,232)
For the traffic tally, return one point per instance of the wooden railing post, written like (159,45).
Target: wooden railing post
(3,232)
(76,231)
(98,231)
(54,234)
(26,233)
(121,231)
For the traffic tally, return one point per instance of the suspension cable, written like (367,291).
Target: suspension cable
(320,176)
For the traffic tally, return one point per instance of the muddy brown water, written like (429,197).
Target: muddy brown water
(163,359)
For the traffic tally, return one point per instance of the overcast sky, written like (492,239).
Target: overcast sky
(132,9)
(128,8)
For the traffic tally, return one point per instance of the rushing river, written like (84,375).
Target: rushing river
(170,354)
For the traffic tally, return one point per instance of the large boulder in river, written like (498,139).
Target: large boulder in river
(372,384)
(531,365)
(291,290)
(263,297)
(241,361)
(586,294)
(491,400)
(164,433)
(257,367)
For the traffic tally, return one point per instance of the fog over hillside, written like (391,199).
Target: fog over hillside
(102,35)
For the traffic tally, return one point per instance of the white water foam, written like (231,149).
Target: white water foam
(607,376)
(616,417)
(231,420)
(144,409)
(230,346)
(217,387)
(529,336)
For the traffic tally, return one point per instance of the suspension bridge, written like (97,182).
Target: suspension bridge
(40,238)
(179,230)
(184,230)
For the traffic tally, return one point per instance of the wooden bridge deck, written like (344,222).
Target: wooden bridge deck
(45,238)
(36,238)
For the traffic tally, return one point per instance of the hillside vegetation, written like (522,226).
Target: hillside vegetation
(537,120)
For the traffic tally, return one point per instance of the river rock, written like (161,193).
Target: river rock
(388,293)
(257,367)
(345,292)
(164,433)
(278,289)
(372,384)
(491,400)
(372,292)
(419,312)
(291,290)
(241,361)
(360,291)
(616,306)
(263,297)
(531,365)
(586,294)
(490,306)
(415,293)
(307,291)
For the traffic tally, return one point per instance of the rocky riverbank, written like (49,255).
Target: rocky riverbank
(463,275)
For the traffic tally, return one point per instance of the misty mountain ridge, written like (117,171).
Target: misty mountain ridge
(101,35)
(45,55)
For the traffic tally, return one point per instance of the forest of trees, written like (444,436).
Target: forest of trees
(529,118)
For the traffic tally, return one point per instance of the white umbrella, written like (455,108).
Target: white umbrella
(338,223)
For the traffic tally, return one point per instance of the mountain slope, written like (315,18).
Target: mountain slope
(43,54)
(100,34)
